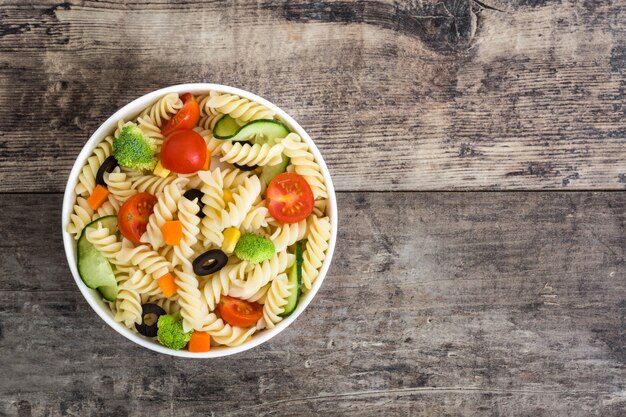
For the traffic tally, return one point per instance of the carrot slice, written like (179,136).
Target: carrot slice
(167,285)
(98,197)
(207,161)
(199,342)
(172,232)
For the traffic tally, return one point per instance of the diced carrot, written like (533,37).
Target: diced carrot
(207,161)
(98,197)
(167,285)
(172,232)
(199,342)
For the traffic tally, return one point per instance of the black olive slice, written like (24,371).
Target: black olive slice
(149,330)
(192,195)
(202,265)
(108,165)
(246,167)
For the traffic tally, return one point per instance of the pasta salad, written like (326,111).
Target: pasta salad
(201,221)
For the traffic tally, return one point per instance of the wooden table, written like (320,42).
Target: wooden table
(478,153)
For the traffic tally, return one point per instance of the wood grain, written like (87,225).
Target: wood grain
(415,95)
(458,304)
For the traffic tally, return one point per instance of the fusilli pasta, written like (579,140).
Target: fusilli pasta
(238,107)
(303,163)
(315,252)
(275,300)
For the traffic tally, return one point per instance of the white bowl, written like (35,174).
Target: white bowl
(92,296)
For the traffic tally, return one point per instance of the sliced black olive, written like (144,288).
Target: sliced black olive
(209,262)
(149,330)
(192,195)
(108,165)
(246,167)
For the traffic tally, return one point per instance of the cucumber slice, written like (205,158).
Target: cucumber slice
(269,172)
(225,128)
(263,130)
(295,278)
(109,292)
(93,267)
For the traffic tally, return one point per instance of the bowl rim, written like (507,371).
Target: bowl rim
(130,110)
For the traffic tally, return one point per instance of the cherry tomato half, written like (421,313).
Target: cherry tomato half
(133,217)
(183,152)
(238,312)
(186,118)
(289,198)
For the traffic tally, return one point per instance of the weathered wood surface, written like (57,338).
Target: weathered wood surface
(457,304)
(412,95)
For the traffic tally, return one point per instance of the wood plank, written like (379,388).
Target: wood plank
(398,95)
(436,303)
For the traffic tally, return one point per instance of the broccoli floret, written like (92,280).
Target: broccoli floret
(170,332)
(254,248)
(133,149)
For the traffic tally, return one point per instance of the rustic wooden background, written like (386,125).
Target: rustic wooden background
(506,299)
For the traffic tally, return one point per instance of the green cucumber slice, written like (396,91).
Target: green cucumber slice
(109,292)
(295,278)
(269,172)
(262,131)
(93,267)
(225,128)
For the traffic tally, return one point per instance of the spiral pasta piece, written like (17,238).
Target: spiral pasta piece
(188,216)
(119,185)
(214,145)
(164,210)
(213,199)
(80,217)
(257,154)
(233,178)
(288,234)
(150,129)
(142,283)
(257,218)
(319,208)
(238,107)
(260,274)
(145,259)
(218,284)
(128,307)
(150,183)
(276,299)
(108,208)
(235,212)
(108,245)
(192,307)
(87,176)
(303,163)
(315,252)
(232,335)
(163,109)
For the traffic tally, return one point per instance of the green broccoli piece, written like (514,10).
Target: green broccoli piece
(170,332)
(133,149)
(254,248)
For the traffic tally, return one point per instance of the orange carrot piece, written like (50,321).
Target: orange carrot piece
(167,285)
(207,161)
(199,342)
(98,197)
(172,232)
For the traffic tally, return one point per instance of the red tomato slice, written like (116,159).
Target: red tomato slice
(238,312)
(183,152)
(186,118)
(289,198)
(132,218)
